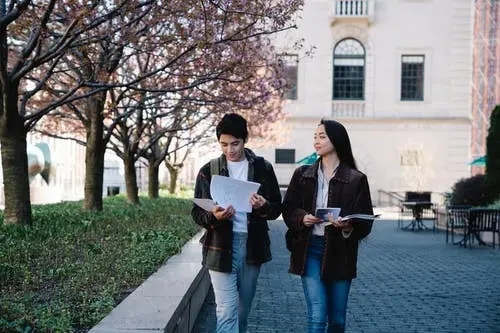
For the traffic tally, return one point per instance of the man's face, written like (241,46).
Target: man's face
(232,148)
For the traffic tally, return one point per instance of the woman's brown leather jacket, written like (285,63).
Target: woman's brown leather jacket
(349,190)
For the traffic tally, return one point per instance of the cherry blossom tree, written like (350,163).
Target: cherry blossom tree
(35,36)
(216,52)
(65,56)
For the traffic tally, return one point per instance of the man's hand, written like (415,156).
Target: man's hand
(310,220)
(223,214)
(257,201)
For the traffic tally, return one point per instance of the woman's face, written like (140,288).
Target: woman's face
(322,143)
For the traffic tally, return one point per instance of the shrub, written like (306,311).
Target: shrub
(495,205)
(470,191)
(493,154)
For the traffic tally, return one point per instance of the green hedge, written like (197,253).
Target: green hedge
(493,154)
(495,205)
(71,267)
(471,191)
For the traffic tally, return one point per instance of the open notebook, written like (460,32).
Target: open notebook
(360,216)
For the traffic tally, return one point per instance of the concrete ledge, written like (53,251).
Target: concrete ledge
(168,301)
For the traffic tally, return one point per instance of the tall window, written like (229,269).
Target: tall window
(290,63)
(412,78)
(349,70)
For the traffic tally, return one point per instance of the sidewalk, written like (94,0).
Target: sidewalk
(407,282)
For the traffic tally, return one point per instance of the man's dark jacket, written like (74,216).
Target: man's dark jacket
(218,239)
(349,190)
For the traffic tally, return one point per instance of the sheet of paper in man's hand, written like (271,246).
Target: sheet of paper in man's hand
(206,204)
(228,191)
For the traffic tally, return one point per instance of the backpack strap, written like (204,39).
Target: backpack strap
(215,166)
(259,167)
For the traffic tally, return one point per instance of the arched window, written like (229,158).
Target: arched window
(349,70)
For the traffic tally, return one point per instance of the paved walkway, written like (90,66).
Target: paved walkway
(407,282)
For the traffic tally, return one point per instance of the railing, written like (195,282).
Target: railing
(348,109)
(353,9)
(389,198)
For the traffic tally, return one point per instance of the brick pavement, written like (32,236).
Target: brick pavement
(407,282)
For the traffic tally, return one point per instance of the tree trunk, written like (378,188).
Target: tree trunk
(94,154)
(174,175)
(153,180)
(131,179)
(14,159)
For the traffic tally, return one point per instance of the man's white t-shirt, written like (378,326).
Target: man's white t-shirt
(239,170)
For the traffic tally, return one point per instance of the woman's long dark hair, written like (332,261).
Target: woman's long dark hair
(340,139)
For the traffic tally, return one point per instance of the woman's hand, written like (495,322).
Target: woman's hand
(310,220)
(223,214)
(344,225)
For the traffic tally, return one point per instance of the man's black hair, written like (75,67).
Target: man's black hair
(232,124)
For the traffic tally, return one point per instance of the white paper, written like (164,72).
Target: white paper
(228,191)
(206,204)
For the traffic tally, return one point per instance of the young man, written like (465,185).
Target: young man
(235,243)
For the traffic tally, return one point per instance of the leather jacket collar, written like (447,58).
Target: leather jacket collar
(341,175)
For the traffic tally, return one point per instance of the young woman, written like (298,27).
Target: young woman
(325,253)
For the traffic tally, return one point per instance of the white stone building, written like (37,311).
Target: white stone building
(67,173)
(398,75)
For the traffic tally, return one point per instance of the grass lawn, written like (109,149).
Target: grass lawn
(71,267)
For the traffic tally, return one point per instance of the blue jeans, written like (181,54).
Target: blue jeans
(326,301)
(234,291)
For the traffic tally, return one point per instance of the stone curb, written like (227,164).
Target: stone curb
(168,301)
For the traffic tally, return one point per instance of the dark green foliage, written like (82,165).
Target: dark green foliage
(493,154)
(495,205)
(470,191)
(71,267)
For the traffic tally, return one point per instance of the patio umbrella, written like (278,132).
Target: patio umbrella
(309,159)
(480,161)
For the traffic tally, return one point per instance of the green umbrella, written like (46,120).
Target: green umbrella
(309,159)
(480,161)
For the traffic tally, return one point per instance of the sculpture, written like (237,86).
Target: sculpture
(39,161)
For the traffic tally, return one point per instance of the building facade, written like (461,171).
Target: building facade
(398,75)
